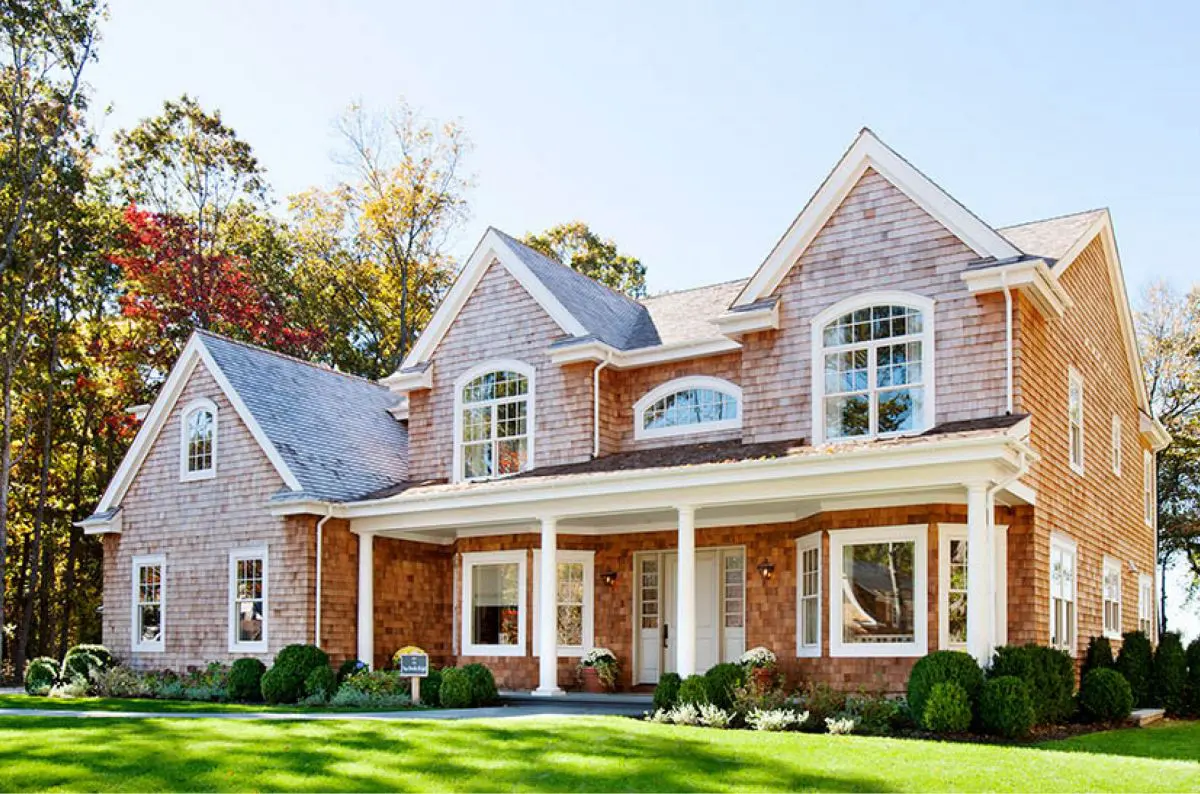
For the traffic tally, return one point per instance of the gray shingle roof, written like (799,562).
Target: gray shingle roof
(332,430)
(1051,238)
(688,315)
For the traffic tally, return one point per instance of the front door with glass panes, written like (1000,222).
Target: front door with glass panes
(720,610)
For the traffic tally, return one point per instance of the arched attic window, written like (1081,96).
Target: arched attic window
(493,420)
(198,442)
(688,405)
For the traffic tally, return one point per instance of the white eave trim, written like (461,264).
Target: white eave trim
(103,526)
(1033,277)
(1156,435)
(644,356)
(404,382)
(868,151)
(735,324)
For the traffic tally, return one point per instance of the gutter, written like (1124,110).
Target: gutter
(1008,339)
(596,404)
(320,538)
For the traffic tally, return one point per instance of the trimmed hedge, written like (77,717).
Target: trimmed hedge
(693,690)
(1135,662)
(1105,696)
(722,681)
(245,679)
(1099,656)
(666,693)
(455,692)
(105,656)
(1048,673)
(321,682)
(1005,708)
(41,674)
(431,687)
(947,709)
(483,684)
(1193,688)
(942,667)
(1169,674)
(285,681)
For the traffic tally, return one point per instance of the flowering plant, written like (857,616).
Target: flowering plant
(604,662)
(758,658)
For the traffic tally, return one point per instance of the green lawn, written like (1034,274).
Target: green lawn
(560,754)
(154,706)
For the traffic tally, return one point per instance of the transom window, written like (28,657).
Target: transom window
(248,600)
(575,588)
(688,405)
(494,603)
(1062,594)
(494,421)
(197,459)
(148,601)
(1112,598)
(879,580)
(872,374)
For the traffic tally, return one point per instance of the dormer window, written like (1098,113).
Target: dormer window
(873,367)
(198,446)
(688,405)
(493,421)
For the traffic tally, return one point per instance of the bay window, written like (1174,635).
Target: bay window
(877,591)
(493,614)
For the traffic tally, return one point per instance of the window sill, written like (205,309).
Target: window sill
(196,476)
(1076,467)
(157,647)
(248,647)
(493,650)
(875,650)
(1111,635)
(808,653)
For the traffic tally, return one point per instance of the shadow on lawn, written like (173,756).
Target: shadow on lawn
(1177,740)
(408,756)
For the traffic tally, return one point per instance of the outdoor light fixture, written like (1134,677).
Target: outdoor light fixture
(609,578)
(766,569)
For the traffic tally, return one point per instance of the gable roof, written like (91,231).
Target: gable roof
(1051,238)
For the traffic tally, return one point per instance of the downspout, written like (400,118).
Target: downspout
(1008,341)
(320,545)
(596,404)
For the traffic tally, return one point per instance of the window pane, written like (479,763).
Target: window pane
(957,617)
(477,424)
(877,592)
(811,609)
(846,417)
(494,604)
(511,456)
(899,410)
(250,621)
(570,624)
(690,407)
(150,618)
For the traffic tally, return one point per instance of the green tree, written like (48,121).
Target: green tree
(575,245)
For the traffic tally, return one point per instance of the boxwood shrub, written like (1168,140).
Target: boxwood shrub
(455,692)
(1105,696)
(1049,675)
(321,683)
(431,687)
(41,674)
(1005,708)
(1169,674)
(1099,654)
(1134,662)
(245,679)
(666,693)
(722,681)
(284,682)
(483,684)
(947,708)
(693,690)
(942,667)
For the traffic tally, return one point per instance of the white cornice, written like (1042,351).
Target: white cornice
(735,324)
(1032,277)
(641,357)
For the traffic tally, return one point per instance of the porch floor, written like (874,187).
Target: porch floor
(632,704)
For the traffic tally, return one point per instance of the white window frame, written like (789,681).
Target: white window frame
(921,303)
(804,544)
(1075,379)
(135,633)
(236,556)
(1146,604)
(683,384)
(838,540)
(946,534)
(1111,565)
(588,559)
(1149,489)
(495,365)
(199,404)
(1064,544)
(1116,445)
(469,561)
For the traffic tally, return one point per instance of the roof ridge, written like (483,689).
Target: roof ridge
(295,359)
(508,237)
(695,289)
(1064,216)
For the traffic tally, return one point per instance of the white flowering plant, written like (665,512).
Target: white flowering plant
(604,662)
(843,726)
(758,658)
(775,719)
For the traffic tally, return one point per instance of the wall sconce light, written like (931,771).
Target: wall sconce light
(766,569)
(609,578)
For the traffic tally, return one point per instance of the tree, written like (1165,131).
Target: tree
(575,245)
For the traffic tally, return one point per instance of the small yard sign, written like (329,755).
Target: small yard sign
(414,664)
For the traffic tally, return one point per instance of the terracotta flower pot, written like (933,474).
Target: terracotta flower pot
(591,680)
(764,677)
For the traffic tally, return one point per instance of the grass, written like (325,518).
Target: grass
(150,705)
(562,754)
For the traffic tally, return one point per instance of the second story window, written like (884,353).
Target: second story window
(494,421)
(1075,419)
(873,362)
(198,453)
(688,405)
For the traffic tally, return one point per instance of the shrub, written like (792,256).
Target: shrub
(119,682)
(822,702)
(1134,662)
(40,675)
(943,667)
(205,694)
(456,688)
(284,682)
(712,716)
(874,715)
(666,693)
(69,689)
(1005,708)
(840,726)
(245,679)
(483,684)
(694,690)
(1099,655)
(947,709)
(658,715)
(80,664)
(775,719)
(170,690)
(1193,688)
(1049,675)
(347,697)
(99,651)
(378,682)
(685,714)
(431,687)
(722,681)
(349,668)
(321,683)
(1169,674)
(1105,696)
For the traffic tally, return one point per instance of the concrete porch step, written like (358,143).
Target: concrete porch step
(1144,717)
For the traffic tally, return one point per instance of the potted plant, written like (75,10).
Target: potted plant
(598,670)
(760,663)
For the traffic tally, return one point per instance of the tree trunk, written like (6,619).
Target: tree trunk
(73,532)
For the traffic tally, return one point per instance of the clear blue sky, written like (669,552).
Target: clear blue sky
(692,133)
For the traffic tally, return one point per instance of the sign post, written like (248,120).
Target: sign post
(414,664)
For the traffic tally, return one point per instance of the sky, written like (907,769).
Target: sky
(692,133)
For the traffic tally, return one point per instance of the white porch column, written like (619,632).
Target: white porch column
(685,598)
(547,616)
(366,599)
(980,603)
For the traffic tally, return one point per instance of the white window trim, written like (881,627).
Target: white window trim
(1065,543)
(1149,489)
(1146,605)
(838,540)
(803,544)
(588,558)
(683,384)
(200,403)
(137,645)
(928,357)
(947,533)
(469,561)
(1116,445)
(1110,565)
(1074,377)
(236,555)
(495,365)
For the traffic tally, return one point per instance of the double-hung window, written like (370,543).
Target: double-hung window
(198,445)
(1112,597)
(1075,419)
(493,421)
(248,592)
(1146,604)
(952,585)
(808,595)
(493,615)
(149,601)
(1062,593)
(878,591)
(574,609)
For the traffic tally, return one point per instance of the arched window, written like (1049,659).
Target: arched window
(873,367)
(198,448)
(493,421)
(688,405)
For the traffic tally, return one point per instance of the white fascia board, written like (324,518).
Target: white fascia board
(1032,277)
(591,350)
(404,382)
(491,248)
(109,526)
(644,356)
(868,151)
(734,324)
(1156,435)
(304,507)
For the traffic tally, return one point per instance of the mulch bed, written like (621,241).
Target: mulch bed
(1043,733)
